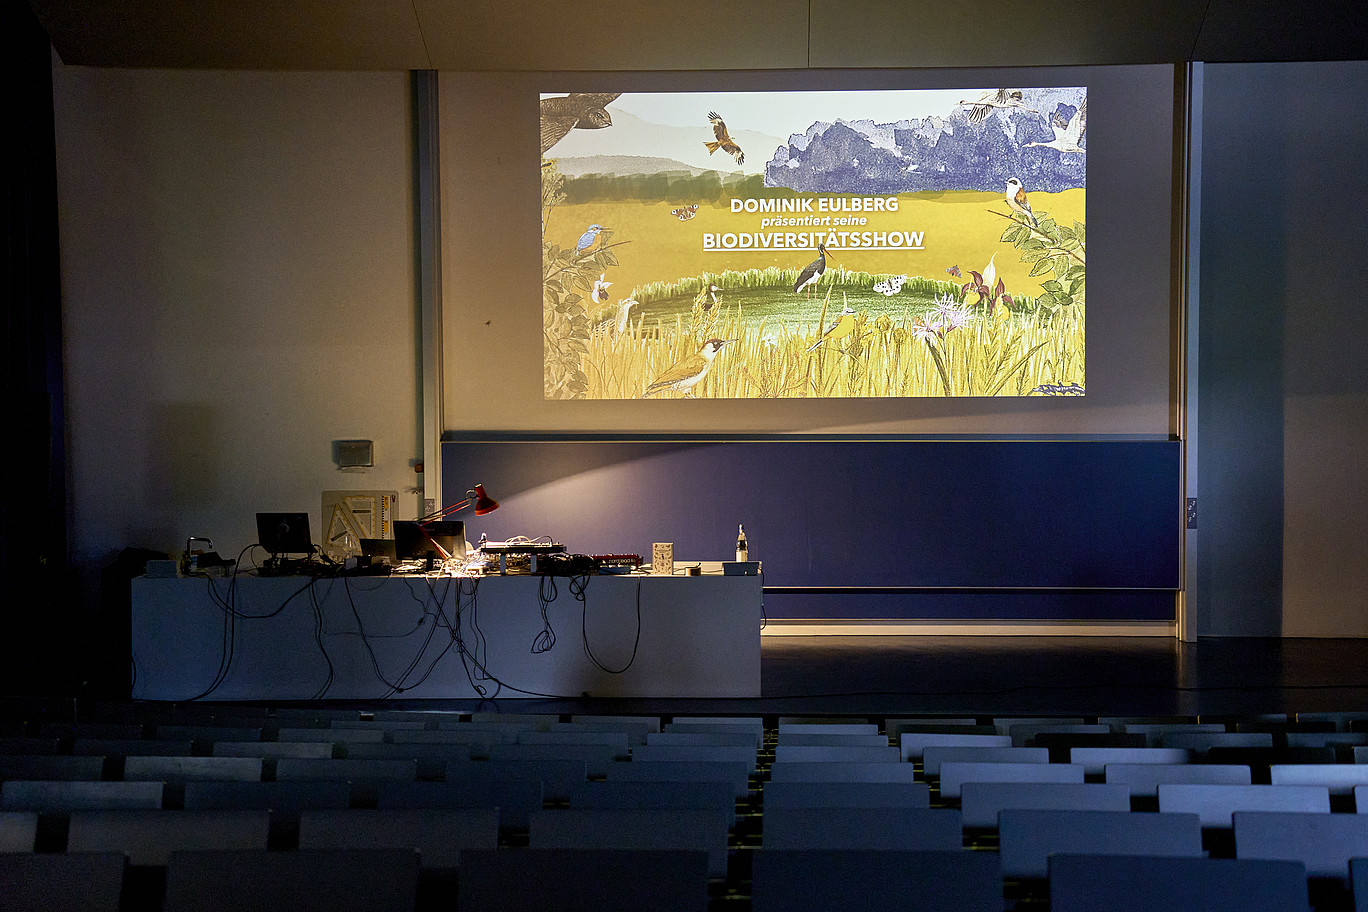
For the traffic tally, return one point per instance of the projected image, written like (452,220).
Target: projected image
(735,245)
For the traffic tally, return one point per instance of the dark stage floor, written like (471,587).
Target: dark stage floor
(1089,676)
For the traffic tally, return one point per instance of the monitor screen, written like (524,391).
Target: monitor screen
(284,533)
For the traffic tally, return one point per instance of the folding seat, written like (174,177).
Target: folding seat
(735,773)
(364,770)
(754,726)
(1144,779)
(1060,744)
(60,767)
(695,752)
(1027,838)
(1323,843)
(1024,733)
(344,880)
(788,730)
(824,739)
(661,829)
(516,799)
(124,747)
(439,835)
(1154,731)
(636,726)
(431,758)
(583,880)
(184,769)
(331,735)
(1215,803)
(62,882)
(717,796)
(149,837)
(535,720)
(274,750)
(843,772)
(954,775)
(61,797)
(913,744)
(1339,778)
(207,733)
(933,756)
(847,794)
(557,776)
(1095,759)
(281,797)
(18,830)
(856,829)
(1139,883)
(1200,742)
(980,802)
(792,880)
(714,739)
(559,734)
(22,745)
(806,753)
(595,757)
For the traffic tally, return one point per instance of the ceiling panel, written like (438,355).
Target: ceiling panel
(236,34)
(990,33)
(616,35)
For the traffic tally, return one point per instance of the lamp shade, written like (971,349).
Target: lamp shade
(483,502)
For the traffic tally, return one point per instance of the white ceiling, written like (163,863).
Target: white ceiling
(615,35)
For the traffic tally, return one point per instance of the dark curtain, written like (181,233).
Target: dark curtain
(37,651)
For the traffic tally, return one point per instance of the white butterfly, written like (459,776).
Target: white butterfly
(890,287)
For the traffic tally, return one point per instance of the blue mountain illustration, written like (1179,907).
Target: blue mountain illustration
(935,153)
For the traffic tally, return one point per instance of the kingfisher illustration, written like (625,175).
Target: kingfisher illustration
(724,140)
(576,111)
(586,240)
(600,291)
(995,98)
(812,272)
(1016,200)
(841,327)
(1067,134)
(706,297)
(689,372)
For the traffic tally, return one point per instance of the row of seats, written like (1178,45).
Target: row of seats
(740,798)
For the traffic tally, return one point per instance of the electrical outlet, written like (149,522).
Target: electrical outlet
(429,506)
(1192,512)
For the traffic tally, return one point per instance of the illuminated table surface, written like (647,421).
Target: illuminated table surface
(434,637)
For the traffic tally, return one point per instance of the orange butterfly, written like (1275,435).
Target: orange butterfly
(684,213)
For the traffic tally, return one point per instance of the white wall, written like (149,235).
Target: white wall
(238,292)
(1283,502)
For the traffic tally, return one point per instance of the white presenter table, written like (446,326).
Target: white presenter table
(361,638)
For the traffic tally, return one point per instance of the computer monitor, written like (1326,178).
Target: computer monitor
(284,533)
(444,538)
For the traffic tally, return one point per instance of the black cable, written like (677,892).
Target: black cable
(578,584)
(546,640)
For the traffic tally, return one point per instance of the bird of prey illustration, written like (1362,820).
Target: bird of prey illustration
(576,111)
(1016,201)
(842,326)
(688,372)
(995,98)
(812,272)
(724,140)
(1067,134)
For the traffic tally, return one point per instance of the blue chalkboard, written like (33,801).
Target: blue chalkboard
(881,528)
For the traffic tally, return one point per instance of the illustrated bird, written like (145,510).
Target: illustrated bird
(617,324)
(688,372)
(812,272)
(841,327)
(600,291)
(994,98)
(586,240)
(707,296)
(1016,201)
(724,140)
(576,111)
(1067,134)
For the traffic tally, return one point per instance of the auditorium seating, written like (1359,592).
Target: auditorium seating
(219,807)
